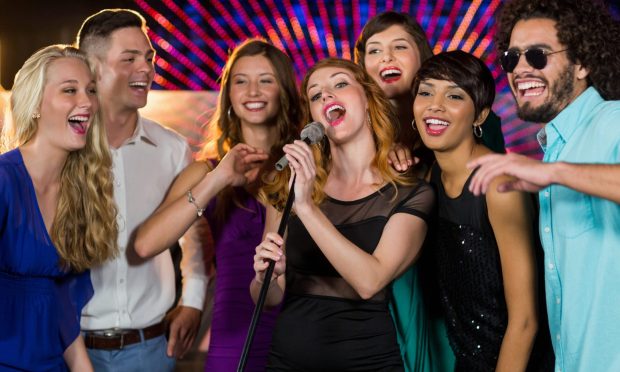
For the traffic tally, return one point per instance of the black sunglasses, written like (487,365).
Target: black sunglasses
(535,57)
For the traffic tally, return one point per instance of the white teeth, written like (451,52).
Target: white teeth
(78,118)
(255,105)
(436,122)
(138,84)
(529,85)
(334,107)
(390,71)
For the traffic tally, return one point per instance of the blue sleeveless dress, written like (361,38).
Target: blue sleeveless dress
(40,304)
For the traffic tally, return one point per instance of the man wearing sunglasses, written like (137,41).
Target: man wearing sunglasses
(562,59)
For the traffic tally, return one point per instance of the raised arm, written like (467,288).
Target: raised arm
(368,274)
(177,213)
(600,180)
(510,215)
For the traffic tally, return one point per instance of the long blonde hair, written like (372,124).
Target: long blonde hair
(84,230)
(382,119)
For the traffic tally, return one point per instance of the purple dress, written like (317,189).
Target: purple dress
(235,243)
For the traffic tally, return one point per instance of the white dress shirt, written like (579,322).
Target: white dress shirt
(131,292)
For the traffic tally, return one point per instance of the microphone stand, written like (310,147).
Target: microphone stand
(260,303)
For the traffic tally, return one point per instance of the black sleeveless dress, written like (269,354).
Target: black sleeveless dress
(467,266)
(324,325)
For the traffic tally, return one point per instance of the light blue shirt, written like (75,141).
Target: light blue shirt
(581,238)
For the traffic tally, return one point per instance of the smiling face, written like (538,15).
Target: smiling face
(254,91)
(126,70)
(392,59)
(444,114)
(338,101)
(68,105)
(542,94)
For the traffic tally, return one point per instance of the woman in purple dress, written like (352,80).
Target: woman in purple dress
(57,213)
(258,112)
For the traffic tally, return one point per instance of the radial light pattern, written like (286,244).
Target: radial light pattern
(193,39)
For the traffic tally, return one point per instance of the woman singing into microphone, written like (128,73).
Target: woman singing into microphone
(357,225)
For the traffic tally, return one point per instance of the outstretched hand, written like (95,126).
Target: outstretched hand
(241,164)
(527,174)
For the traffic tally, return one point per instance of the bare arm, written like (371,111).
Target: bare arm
(600,180)
(176,214)
(510,217)
(272,247)
(76,357)
(368,274)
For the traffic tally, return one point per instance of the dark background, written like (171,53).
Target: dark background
(27,25)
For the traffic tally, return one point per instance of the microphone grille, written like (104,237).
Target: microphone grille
(313,131)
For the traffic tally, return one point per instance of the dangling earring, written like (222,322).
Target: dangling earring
(478,131)
(229,113)
(415,129)
(36,116)
(368,118)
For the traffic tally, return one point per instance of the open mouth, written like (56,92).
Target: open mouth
(334,114)
(531,88)
(253,106)
(390,74)
(79,123)
(435,126)
(139,85)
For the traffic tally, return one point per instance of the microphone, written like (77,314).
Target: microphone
(311,134)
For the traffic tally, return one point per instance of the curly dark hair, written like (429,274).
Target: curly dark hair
(585,27)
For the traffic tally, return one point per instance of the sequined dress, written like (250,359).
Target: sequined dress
(468,270)
(324,325)
(467,265)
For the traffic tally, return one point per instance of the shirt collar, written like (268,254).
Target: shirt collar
(142,133)
(574,115)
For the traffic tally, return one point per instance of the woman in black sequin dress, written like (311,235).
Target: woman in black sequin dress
(483,247)
(357,225)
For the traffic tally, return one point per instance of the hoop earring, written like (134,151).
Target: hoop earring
(229,113)
(478,131)
(413,126)
(36,116)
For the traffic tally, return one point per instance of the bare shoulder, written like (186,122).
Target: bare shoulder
(504,203)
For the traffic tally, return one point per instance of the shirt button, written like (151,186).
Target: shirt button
(557,337)
(551,266)
(557,300)
(122,281)
(546,194)
(547,229)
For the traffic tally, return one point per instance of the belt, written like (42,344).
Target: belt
(119,338)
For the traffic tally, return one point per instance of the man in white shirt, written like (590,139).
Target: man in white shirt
(124,324)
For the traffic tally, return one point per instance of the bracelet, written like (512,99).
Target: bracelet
(192,200)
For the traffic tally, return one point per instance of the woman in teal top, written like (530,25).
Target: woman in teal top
(392,47)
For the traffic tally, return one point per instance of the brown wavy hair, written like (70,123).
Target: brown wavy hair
(227,129)
(382,121)
(380,23)
(84,230)
(385,20)
(585,27)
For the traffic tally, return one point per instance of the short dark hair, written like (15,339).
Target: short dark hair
(466,71)
(385,20)
(585,27)
(99,26)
